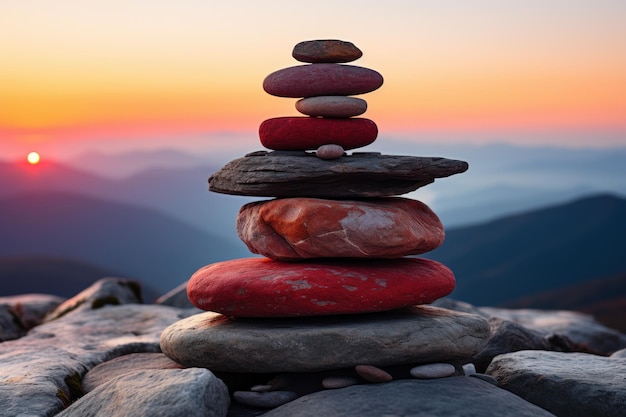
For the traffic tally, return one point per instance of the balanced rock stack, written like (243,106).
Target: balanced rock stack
(336,286)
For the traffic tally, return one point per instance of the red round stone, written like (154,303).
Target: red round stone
(309,133)
(322,80)
(261,287)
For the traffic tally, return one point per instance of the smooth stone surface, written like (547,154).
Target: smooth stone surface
(326,50)
(302,228)
(373,373)
(125,364)
(432,370)
(41,372)
(369,175)
(163,393)
(26,311)
(322,80)
(309,133)
(260,287)
(105,291)
(563,330)
(330,151)
(457,396)
(269,399)
(582,331)
(420,334)
(331,106)
(567,384)
(507,336)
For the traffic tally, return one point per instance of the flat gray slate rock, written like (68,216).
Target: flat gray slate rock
(156,392)
(301,174)
(40,373)
(567,384)
(454,396)
(421,334)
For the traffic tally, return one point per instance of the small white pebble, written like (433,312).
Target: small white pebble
(469,368)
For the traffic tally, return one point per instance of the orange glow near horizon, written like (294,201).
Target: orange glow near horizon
(96,71)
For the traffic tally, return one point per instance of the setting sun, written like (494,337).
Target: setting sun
(33,158)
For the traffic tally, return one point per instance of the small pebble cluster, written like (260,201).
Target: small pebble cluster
(338,286)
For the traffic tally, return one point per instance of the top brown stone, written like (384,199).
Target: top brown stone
(326,50)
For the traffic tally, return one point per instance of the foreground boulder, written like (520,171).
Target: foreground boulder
(454,396)
(156,392)
(567,384)
(41,372)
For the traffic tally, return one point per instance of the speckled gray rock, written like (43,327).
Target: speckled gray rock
(166,392)
(31,309)
(455,396)
(106,291)
(582,332)
(507,336)
(358,175)
(567,384)
(421,334)
(131,363)
(41,372)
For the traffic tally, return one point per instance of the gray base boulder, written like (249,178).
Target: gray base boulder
(421,334)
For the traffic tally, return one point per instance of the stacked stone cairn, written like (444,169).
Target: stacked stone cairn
(338,291)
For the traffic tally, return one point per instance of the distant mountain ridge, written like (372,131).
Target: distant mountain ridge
(503,260)
(137,242)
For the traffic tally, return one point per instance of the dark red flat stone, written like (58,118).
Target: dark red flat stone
(322,80)
(260,287)
(309,133)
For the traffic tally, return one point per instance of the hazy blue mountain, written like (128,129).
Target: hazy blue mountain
(121,165)
(137,242)
(53,275)
(503,260)
(182,194)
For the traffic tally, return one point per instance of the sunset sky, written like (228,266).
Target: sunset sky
(124,74)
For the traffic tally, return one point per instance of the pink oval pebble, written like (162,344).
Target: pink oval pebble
(309,133)
(322,80)
(329,152)
(331,106)
(261,287)
(372,373)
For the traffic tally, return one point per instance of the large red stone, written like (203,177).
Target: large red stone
(309,133)
(301,228)
(322,80)
(261,287)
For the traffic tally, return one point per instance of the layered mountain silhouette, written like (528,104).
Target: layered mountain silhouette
(136,242)
(505,260)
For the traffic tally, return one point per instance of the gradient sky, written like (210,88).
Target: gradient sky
(121,73)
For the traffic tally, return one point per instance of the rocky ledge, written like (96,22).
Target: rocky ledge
(99,353)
